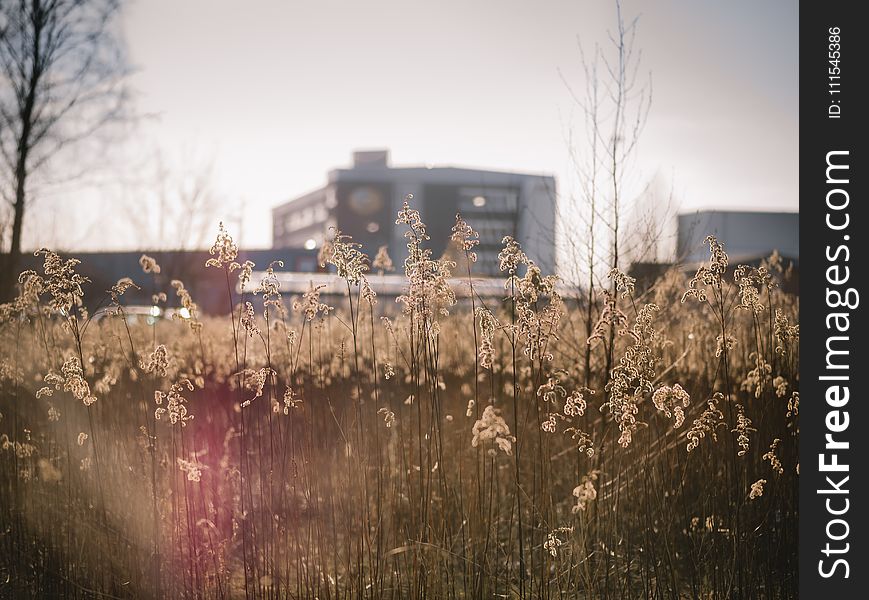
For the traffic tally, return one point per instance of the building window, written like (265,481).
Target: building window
(365,201)
(305,217)
(488,200)
(491,231)
(306,264)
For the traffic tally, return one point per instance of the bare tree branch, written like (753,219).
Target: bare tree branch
(61,79)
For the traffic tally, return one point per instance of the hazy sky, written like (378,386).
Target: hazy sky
(274,94)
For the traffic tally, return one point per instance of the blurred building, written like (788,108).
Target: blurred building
(362,201)
(746,235)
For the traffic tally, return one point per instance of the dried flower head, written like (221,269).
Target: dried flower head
(149,264)
(672,401)
(511,256)
(188,304)
(410,217)
(118,290)
(175,409)
(60,282)
(388,371)
(611,319)
(794,405)
(248,320)
(633,376)
(710,275)
(492,427)
(757,379)
(192,468)
(21,449)
(780,384)
(582,440)
(785,334)
(11,372)
(707,423)
(347,258)
(536,324)
(74,381)
(774,461)
(245,274)
(470,409)
(756,489)
(158,362)
(553,542)
(724,344)
(310,303)
(270,287)
(291,401)
(575,404)
(623,282)
(488,325)
(465,237)
(552,391)
(388,416)
(746,279)
(585,492)
(367,292)
(224,249)
(382,263)
(743,429)
(428,293)
(255,381)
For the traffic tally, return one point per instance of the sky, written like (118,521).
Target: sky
(255,101)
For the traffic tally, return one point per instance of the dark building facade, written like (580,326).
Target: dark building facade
(362,202)
(749,238)
(745,234)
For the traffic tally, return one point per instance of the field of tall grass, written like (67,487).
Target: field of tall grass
(444,445)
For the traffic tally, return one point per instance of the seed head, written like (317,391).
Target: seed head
(388,416)
(149,264)
(756,489)
(585,492)
(465,237)
(382,263)
(224,249)
(492,427)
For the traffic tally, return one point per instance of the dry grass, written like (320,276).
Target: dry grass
(444,447)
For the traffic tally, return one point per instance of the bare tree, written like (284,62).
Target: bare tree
(630,99)
(61,79)
(173,207)
(615,104)
(649,231)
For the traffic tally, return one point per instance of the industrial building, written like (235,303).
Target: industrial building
(749,238)
(362,201)
(746,235)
